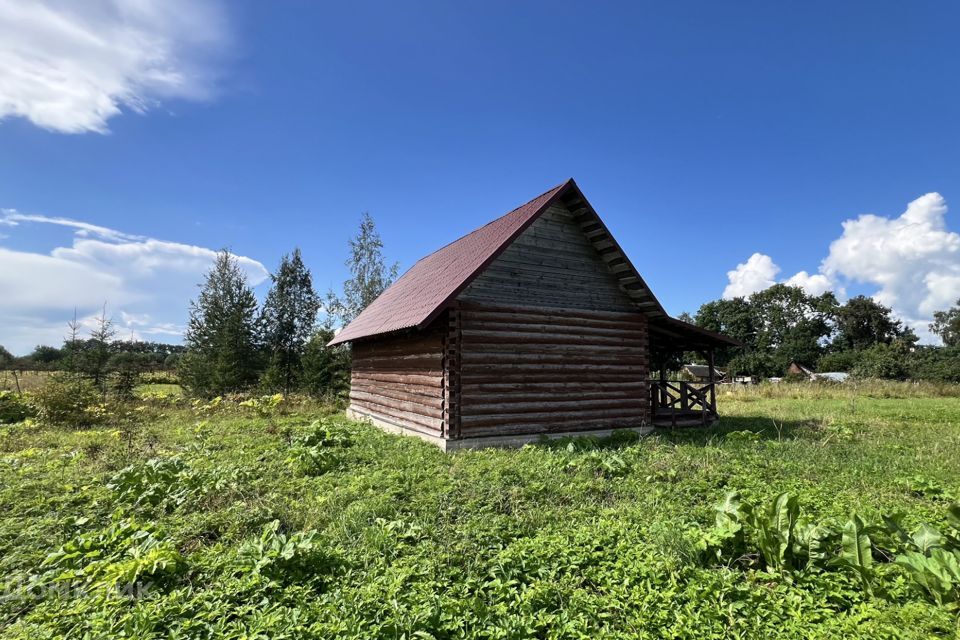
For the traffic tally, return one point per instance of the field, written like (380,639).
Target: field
(221,521)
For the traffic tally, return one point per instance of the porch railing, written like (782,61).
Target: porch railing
(678,399)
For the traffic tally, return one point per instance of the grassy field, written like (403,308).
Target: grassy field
(22,380)
(211,521)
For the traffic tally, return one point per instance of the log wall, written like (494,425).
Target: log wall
(551,264)
(527,369)
(400,378)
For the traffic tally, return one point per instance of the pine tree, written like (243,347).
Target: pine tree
(96,353)
(286,321)
(222,351)
(369,274)
(326,370)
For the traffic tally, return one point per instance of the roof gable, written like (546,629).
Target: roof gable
(551,264)
(425,290)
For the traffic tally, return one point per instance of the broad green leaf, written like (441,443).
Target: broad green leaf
(926,538)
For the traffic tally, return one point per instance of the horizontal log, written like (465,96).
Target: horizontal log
(519,358)
(541,322)
(570,283)
(424,407)
(373,376)
(578,386)
(552,416)
(403,394)
(415,417)
(550,407)
(403,359)
(500,330)
(473,397)
(397,417)
(576,426)
(499,375)
(546,295)
(424,366)
(476,309)
(634,370)
(545,346)
(399,347)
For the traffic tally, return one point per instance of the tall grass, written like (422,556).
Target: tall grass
(806,390)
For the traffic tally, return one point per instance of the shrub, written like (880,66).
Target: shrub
(885,361)
(126,555)
(315,451)
(69,401)
(14,408)
(277,555)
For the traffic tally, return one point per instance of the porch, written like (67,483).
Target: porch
(679,403)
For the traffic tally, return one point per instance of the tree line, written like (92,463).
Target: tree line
(784,324)
(232,343)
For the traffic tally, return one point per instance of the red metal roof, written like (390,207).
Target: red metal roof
(421,293)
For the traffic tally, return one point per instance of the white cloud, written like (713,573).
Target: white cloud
(756,274)
(814,285)
(71,66)
(912,260)
(145,282)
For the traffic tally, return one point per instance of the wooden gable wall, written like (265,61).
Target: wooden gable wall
(548,341)
(551,264)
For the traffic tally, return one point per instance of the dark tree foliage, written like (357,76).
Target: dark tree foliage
(6,358)
(791,325)
(222,353)
(784,324)
(863,322)
(734,318)
(887,361)
(369,274)
(288,316)
(935,363)
(326,370)
(45,355)
(946,324)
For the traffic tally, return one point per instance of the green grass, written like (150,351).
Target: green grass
(568,540)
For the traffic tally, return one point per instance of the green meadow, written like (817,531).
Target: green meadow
(284,520)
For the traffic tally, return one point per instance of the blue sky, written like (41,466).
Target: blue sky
(707,135)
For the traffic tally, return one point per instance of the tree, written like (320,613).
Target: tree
(791,325)
(287,318)
(887,361)
(95,353)
(369,275)
(863,322)
(326,370)
(6,358)
(45,355)
(222,350)
(946,324)
(733,318)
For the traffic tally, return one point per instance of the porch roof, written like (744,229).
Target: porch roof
(670,334)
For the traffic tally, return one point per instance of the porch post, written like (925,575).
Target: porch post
(713,393)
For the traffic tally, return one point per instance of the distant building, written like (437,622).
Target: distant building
(832,376)
(797,369)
